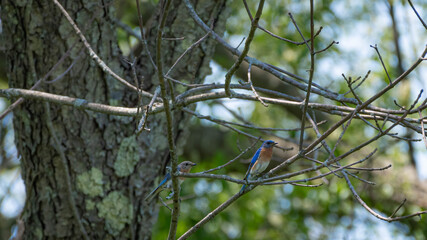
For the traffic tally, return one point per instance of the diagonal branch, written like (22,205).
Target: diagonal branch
(382,62)
(210,216)
(245,51)
(252,86)
(92,53)
(418,15)
(422,128)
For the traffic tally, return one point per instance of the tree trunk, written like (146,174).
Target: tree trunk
(85,172)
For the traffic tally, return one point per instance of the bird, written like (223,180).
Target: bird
(260,161)
(183,167)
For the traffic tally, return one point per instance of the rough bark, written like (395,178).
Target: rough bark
(110,169)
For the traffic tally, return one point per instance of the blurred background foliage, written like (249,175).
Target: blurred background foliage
(289,212)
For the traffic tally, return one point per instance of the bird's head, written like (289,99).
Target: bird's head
(186,166)
(269,144)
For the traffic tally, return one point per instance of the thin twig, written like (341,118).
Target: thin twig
(135,78)
(350,168)
(363,80)
(299,31)
(349,84)
(173,38)
(60,76)
(37,84)
(382,62)
(143,37)
(418,15)
(303,185)
(143,121)
(269,181)
(252,86)
(227,126)
(164,204)
(210,216)
(240,43)
(397,209)
(388,219)
(324,144)
(360,179)
(92,53)
(232,160)
(422,128)
(251,126)
(327,47)
(186,51)
(274,35)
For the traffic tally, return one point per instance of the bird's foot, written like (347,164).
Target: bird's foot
(170,196)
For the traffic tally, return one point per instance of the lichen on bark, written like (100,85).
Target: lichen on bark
(90,182)
(117,211)
(127,157)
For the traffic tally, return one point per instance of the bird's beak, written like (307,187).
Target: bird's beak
(193,164)
(275,143)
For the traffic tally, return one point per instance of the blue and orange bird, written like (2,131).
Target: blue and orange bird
(260,161)
(183,167)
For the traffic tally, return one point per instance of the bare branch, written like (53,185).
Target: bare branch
(234,159)
(252,86)
(143,121)
(223,123)
(269,181)
(210,216)
(143,37)
(274,35)
(382,62)
(95,57)
(245,51)
(388,219)
(164,204)
(327,47)
(186,51)
(349,84)
(418,15)
(422,128)
(37,84)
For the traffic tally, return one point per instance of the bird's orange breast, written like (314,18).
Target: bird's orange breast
(265,154)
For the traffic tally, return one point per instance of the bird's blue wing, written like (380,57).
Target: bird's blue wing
(159,188)
(248,173)
(255,158)
(253,161)
(165,180)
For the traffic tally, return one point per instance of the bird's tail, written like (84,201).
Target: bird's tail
(153,194)
(242,189)
(244,185)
